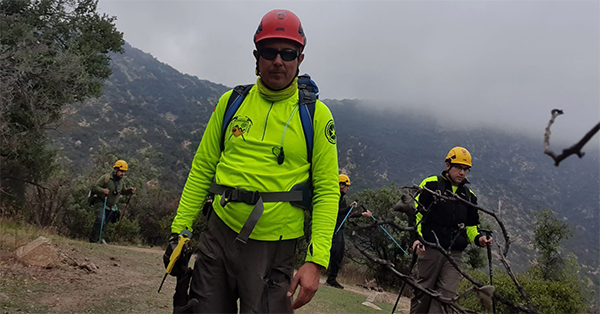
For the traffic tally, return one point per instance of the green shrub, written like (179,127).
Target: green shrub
(568,295)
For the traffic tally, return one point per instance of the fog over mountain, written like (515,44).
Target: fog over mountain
(504,64)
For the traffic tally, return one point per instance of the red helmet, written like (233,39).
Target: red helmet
(280,23)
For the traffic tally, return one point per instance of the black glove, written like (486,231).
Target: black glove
(181,265)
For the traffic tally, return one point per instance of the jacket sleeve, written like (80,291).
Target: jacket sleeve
(344,209)
(100,185)
(424,199)
(202,171)
(125,190)
(325,184)
(473,221)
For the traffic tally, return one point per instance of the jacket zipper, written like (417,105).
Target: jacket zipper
(267,121)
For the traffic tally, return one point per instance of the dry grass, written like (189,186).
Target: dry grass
(127,278)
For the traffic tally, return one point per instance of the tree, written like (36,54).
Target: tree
(549,232)
(367,234)
(52,53)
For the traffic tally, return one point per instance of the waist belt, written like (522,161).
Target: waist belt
(229,194)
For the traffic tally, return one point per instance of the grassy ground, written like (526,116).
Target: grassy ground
(125,281)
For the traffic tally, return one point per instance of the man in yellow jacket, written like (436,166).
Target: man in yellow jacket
(452,225)
(247,252)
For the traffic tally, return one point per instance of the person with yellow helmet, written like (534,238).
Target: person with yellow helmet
(260,192)
(104,196)
(338,244)
(453,224)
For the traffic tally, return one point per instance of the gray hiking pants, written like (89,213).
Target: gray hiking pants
(436,273)
(257,273)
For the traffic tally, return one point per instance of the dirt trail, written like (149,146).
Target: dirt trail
(92,278)
(158,251)
(102,279)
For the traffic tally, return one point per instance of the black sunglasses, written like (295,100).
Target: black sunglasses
(463,168)
(286,54)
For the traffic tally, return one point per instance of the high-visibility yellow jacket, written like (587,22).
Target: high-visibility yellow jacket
(249,161)
(442,222)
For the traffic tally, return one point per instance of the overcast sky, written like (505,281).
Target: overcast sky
(503,64)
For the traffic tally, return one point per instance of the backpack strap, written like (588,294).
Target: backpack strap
(467,193)
(308,93)
(441,184)
(233,104)
(110,177)
(301,194)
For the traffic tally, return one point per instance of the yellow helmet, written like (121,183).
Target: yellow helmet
(459,155)
(121,164)
(344,179)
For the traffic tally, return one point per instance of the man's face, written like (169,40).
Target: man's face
(278,73)
(344,188)
(457,173)
(119,173)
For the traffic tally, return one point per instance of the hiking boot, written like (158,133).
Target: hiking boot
(335,284)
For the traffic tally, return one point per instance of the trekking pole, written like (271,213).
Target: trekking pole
(488,233)
(412,264)
(386,232)
(121,219)
(348,214)
(102,221)
(184,237)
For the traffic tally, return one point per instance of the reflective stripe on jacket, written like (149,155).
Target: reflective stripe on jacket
(445,216)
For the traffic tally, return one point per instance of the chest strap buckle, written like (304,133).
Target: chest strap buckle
(241,195)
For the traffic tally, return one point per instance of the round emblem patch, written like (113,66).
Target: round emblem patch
(330,132)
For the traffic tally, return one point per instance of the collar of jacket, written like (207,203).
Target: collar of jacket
(276,95)
(115,177)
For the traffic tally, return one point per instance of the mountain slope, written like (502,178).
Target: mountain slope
(149,107)
(510,173)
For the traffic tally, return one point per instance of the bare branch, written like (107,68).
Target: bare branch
(455,198)
(28,182)
(573,150)
(514,279)
(384,222)
(451,260)
(530,309)
(405,204)
(451,303)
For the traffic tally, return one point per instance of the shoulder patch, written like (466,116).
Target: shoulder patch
(330,132)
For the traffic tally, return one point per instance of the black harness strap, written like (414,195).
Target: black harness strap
(229,194)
